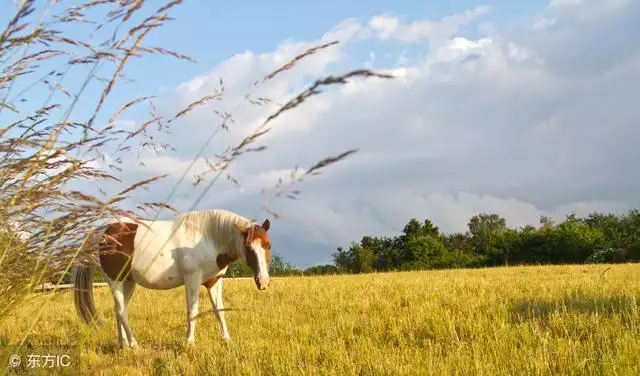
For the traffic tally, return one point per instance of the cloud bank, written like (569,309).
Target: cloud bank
(523,121)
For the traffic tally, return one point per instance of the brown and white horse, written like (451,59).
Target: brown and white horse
(194,249)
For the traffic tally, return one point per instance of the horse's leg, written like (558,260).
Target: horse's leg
(117,293)
(128,288)
(215,294)
(192,286)
(122,335)
(121,292)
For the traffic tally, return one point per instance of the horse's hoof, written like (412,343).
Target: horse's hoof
(129,346)
(225,340)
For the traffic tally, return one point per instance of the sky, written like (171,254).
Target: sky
(524,109)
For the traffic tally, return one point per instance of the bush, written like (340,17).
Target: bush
(606,254)
(322,270)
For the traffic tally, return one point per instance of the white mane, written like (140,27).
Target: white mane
(215,225)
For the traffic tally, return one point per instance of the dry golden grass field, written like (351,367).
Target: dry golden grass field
(552,320)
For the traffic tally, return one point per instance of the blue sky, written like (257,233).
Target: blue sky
(211,32)
(515,108)
(232,27)
(221,29)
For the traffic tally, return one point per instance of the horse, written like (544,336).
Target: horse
(194,249)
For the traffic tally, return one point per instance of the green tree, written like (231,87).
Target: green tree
(239,269)
(484,225)
(424,252)
(322,270)
(576,241)
(414,228)
(486,232)
(429,229)
(458,241)
(386,254)
(345,260)
(631,229)
(622,234)
(364,258)
(546,222)
(279,267)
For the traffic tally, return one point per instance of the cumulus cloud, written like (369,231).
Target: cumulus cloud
(388,27)
(537,119)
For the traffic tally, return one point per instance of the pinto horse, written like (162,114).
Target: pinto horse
(194,249)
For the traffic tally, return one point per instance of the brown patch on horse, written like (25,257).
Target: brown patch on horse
(253,234)
(210,283)
(116,250)
(224,259)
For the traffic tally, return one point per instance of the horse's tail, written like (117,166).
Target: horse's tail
(83,276)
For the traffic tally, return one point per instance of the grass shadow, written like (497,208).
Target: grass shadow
(541,309)
(157,353)
(205,315)
(130,358)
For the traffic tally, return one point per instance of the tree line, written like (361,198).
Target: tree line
(596,238)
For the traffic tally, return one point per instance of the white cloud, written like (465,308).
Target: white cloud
(172,166)
(524,122)
(388,27)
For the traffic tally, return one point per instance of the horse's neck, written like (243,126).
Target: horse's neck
(228,245)
(222,234)
(224,237)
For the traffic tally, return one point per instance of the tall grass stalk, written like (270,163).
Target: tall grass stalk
(47,224)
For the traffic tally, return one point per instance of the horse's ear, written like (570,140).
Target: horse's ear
(266,225)
(240,228)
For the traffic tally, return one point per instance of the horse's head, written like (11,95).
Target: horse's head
(257,251)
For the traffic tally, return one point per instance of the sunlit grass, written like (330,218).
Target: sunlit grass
(560,320)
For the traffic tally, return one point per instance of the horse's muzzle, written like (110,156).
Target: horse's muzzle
(261,283)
